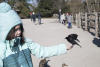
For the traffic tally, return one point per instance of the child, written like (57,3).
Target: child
(15,49)
(69,19)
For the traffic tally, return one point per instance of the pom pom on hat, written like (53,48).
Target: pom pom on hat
(4,7)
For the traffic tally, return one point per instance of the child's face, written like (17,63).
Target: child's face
(17,31)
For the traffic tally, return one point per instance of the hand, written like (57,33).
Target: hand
(70,47)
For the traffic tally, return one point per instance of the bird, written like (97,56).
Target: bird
(44,63)
(72,38)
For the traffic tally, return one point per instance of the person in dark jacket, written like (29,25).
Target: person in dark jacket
(39,17)
(34,17)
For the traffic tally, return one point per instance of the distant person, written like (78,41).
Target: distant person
(31,15)
(39,17)
(59,15)
(15,49)
(69,20)
(63,18)
(34,17)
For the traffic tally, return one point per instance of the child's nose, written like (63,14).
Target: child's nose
(19,31)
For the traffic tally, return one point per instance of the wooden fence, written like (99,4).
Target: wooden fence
(89,22)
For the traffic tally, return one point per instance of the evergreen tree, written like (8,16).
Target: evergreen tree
(45,7)
(50,7)
(21,6)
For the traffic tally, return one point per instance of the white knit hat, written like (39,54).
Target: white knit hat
(8,19)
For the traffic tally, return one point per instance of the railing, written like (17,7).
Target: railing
(89,22)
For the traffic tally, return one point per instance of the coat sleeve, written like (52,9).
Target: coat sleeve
(44,51)
(1,62)
(2,50)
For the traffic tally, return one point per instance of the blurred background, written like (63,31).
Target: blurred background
(49,8)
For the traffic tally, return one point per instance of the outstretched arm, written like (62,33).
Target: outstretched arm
(47,51)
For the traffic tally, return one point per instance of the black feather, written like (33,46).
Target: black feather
(72,39)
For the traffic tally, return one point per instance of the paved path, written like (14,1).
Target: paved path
(53,33)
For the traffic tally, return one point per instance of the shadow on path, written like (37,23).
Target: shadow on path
(93,34)
(96,42)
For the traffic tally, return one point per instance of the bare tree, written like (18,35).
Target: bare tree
(75,5)
(93,5)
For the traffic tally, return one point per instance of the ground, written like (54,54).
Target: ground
(51,32)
